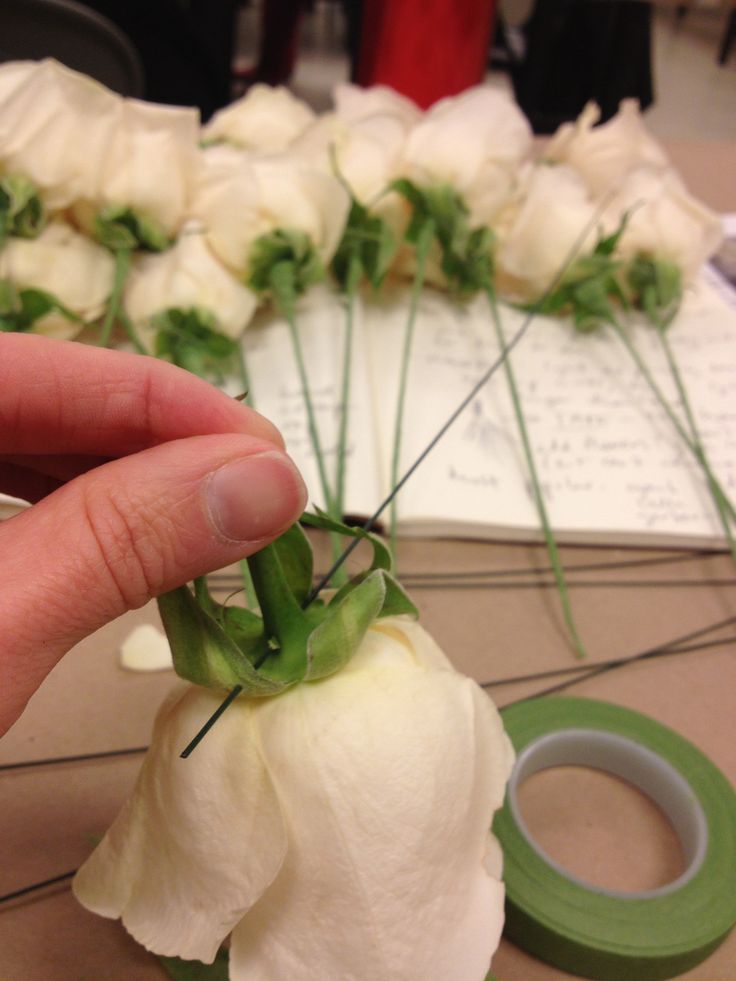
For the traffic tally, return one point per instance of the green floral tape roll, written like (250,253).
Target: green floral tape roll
(600,933)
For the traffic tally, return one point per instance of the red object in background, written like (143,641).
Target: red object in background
(425,49)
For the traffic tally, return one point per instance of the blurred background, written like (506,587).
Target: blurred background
(678,59)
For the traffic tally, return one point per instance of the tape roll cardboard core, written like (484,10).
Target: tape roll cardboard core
(636,765)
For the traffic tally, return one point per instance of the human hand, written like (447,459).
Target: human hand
(142,477)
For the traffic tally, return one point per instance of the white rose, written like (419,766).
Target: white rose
(186,275)
(76,271)
(340,830)
(149,164)
(605,154)
(240,197)
(475,142)
(353,103)
(665,221)
(265,118)
(367,151)
(55,128)
(550,224)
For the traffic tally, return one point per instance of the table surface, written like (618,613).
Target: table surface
(504,622)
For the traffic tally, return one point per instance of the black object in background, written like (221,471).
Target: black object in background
(73,34)
(578,50)
(186,47)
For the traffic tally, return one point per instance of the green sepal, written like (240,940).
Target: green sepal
(242,626)
(121,228)
(188,337)
(466,253)
(366,250)
(591,289)
(222,646)
(202,652)
(21,308)
(335,640)
(656,288)
(21,210)
(297,561)
(381,553)
(283,264)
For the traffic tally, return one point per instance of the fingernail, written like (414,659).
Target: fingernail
(255,497)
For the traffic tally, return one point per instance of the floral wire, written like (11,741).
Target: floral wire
(650,653)
(222,580)
(79,758)
(549,538)
(723,505)
(342,438)
(16,894)
(424,242)
(584,671)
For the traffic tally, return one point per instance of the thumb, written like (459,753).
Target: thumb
(119,535)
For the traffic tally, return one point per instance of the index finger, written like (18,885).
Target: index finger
(66,397)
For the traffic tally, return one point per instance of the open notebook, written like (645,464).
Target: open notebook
(612,466)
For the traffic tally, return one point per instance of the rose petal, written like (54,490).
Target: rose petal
(388,774)
(200,838)
(145,649)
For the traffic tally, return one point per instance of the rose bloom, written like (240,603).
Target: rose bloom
(605,154)
(55,127)
(354,103)
(240,197)
(665,221)
(475,142)
(540,233)
(367,152)
(265,118)
(60,261)
(339,830)
(149,165)
(186,275)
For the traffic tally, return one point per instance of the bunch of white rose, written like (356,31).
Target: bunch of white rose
(267,162)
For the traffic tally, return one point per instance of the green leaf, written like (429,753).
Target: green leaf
(119,227)
(188,337)
(20,309)
(180,970)
(284,264)
(21,210)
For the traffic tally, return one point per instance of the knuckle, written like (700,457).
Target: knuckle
(130,544)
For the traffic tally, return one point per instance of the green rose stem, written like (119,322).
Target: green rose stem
(425,236)
(351,290)
(722,503)
(114,312)
(284,264)
(549,537)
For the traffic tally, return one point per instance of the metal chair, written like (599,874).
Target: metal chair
(74,34)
